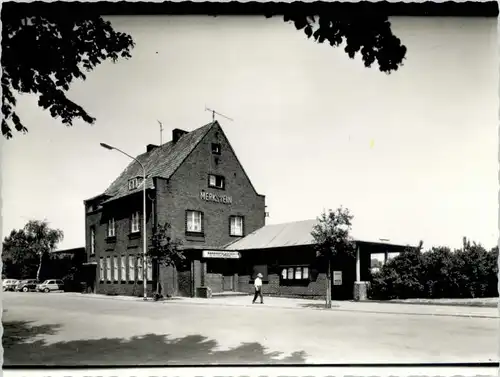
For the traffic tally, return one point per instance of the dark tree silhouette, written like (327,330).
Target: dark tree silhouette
(371,36)
(44,49)
(43,53)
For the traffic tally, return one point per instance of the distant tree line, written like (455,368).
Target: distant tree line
(469,272)
(28,253)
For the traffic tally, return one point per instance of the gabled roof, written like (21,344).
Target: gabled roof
(296,233)
(162,162)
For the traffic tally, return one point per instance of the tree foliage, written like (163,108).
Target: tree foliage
(439,273)
(45,49)
(33,242)
(332,233)
(43,53)
(370,36)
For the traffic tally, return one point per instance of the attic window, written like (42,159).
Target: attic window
(216,148)
(134,183)
(216,181)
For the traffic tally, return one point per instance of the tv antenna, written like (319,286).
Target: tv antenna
(215,112)
(161,132)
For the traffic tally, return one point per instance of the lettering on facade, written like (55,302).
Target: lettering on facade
(211,197)
(221,254)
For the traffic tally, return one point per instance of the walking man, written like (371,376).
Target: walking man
(258,288)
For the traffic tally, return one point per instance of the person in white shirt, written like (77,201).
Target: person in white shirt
(258,288)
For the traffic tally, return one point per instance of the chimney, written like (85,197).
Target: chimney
(150,147)
(177,134)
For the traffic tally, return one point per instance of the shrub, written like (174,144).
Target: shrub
(438,273)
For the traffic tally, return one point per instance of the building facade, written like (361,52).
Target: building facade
(196,184)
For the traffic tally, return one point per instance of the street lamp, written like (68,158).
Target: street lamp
(144,238)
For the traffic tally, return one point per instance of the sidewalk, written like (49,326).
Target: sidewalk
(303,304)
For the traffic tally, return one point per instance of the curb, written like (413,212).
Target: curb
(470,305)
(336,308)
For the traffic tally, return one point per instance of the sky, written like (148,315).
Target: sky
(413,155)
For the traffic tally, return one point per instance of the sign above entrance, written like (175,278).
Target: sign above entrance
(216,198)
(221,254)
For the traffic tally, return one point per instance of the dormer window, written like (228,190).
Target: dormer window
(134,183)
(216,148)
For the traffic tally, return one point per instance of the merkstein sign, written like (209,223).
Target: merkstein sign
(211,197)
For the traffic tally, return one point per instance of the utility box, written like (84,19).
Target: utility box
(204,292)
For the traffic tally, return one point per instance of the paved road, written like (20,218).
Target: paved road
(60,329)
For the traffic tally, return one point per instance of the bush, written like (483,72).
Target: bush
(438,273)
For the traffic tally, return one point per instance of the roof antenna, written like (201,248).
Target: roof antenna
(215,112)
(161,133)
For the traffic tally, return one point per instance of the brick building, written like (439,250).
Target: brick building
(195,183)
(285,255)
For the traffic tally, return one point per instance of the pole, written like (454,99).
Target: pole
(358,266)
(144,232)
(144,238)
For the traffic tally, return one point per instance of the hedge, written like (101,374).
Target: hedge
(438,273)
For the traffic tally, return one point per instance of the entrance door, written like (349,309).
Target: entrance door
(227,276)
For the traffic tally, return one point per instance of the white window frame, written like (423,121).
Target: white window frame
(296,273)
(135,222)
(92,241)
(115,269)
(132,184)
(149,271)
(234,230)
(123,265)
(111,227)
(131,268)
(212,181)
(194,221)
(108,268)
(140,268)
(101,269)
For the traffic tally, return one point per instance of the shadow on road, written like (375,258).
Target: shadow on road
(22,347)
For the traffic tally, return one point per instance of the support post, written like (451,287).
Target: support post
(358,265)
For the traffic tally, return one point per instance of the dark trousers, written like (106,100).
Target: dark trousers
(258,293)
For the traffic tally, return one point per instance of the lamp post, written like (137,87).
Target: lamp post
(144,237)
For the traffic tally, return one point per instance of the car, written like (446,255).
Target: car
(50,285)
(26,285)
(9,284)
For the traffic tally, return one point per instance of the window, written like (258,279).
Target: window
(124,268)
(132,183)
(140,270)
(149,272)
(236,226)
(295,273)
(194,221)
(216,148)
(108,268)
(111,227)
(134,223)
(92,241)
(115,269)
(131,268)
(101,269)
(216,181)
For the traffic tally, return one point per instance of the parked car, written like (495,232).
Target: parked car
(9,284)
(26,285)
(50,285)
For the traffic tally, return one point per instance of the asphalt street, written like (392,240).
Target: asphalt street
(61,329)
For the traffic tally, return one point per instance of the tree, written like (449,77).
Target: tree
(42,240)
(44,49)
(370,36)
(44,52)
(19,260)
(331,237)
(164,251)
